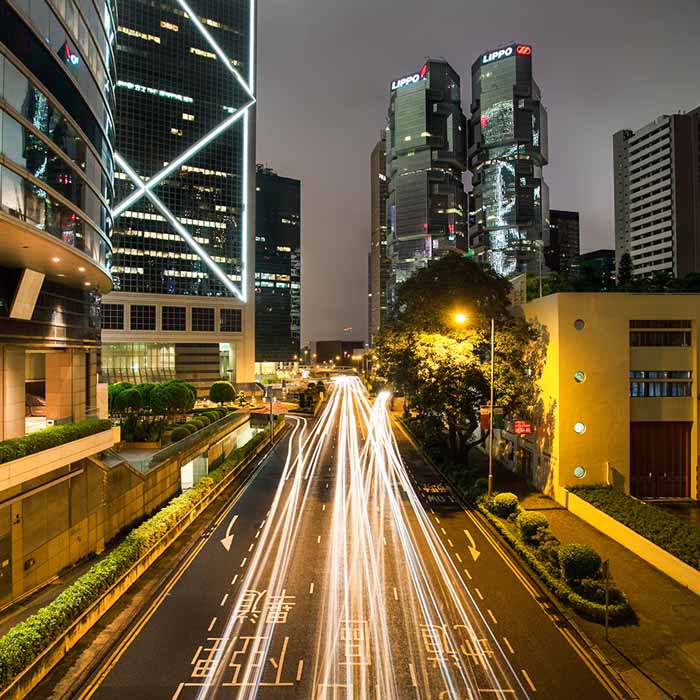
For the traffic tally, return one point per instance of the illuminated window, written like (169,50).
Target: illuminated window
(152,91)
(168,25)
(139,35)
(203,54)
(176,132)
(188,117)
(580,428)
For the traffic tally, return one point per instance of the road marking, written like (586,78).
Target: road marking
(414,682)
(529,681)
(257,534)
(478,592)
(252,544)
(491,615)
(469,576)
(211,624)
(384,538)
(228,537)
(459,559)
(396,594)
(443,530)
(510,648)
(311,588)
(327,485)
(324,507)
(224,599)
(449,541)
(234,579)
(245,559)
(318,540)
(472,546)
(437,520)
(300,668)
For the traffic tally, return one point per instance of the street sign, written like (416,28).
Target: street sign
(484,417)
(521,427)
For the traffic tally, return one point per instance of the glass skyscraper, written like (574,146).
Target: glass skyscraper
(425,158)
(184,222)
(509,204)
(277,267)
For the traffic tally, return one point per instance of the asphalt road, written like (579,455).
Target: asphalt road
(346,569)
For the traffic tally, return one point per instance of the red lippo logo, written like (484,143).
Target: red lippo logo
(523,50)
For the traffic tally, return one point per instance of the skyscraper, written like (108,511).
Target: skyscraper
(563,243)
(657,195)
(56,129)
(509,206)
(425,159)
(379,262)
(184,224)
(277,267)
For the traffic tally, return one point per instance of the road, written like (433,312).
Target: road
(346,569)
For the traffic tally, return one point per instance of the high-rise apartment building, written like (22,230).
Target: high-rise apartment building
(379,261)
(563,243)
(56,178)
(425,159)
(277,267)
(509,204)
(657,195)
(184,224)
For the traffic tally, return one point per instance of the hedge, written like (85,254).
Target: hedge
(586,608)
(531,524)
(56,435)
(675,535)
(578,562)
(28,639)
(504,504)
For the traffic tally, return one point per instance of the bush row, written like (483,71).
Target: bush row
(28,639)
(571,571)
(199,421)
(14,448)
(676,536)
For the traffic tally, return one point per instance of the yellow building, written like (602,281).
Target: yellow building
(619,395)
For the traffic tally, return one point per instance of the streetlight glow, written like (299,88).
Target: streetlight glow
(460,318)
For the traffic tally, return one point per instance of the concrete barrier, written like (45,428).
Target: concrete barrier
(659,558)
(26,681)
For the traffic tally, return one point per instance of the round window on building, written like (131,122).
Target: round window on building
(579,377)
(580,428)
(579,324)
(579,472)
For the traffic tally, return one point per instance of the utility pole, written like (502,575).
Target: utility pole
(491,410)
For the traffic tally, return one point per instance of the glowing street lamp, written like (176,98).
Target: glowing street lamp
(460,318)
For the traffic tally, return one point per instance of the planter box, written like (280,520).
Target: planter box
(142,445)
(30,467)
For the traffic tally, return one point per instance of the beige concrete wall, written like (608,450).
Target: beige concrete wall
(12,401)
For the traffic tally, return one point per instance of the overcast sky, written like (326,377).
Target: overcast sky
(323,84)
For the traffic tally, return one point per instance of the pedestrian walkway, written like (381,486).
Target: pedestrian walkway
(658,653)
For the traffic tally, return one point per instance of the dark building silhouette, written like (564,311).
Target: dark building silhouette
(563,243)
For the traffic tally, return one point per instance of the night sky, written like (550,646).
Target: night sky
(324,72)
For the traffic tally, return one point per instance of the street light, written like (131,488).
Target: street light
(460,319)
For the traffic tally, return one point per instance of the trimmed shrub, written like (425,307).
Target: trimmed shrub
(198,422)
(548,552)
(53,436)
(213,416)
(222,392)
(503,504)
(530,525)
(204,419)
(190,427)
(179,434)
(578,561)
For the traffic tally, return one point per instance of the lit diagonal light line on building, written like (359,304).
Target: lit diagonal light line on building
(186,235)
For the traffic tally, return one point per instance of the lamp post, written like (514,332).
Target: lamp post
(460,319)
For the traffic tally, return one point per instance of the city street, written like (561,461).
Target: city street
(346,569)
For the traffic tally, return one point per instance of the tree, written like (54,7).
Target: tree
(222,392)
(114,390)
(127,400)
(624,270)
(171,398)
(145,390)
(444,369)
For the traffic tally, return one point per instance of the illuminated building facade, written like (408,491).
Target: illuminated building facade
(563,243)
(277,267)
(56,179)
(379,262)
(184,224)
(509,205)
(425,159)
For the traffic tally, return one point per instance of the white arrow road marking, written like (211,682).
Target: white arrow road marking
(228,539)
(472,546)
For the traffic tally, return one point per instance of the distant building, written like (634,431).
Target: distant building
(277,267)
(598,264)
(379,261)
(657,195)
(509,203)
(563,243)
(337,351)
(425,159)
(617,396)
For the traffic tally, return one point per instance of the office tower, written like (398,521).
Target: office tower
(597,266)
(184,224)
(379,262)
(425,159)
(277,267)
(338,352)
(657,195)
(507,150)
(57,89)
(562,245)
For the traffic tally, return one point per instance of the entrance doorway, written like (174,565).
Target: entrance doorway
(660,459)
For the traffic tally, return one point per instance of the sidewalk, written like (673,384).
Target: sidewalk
(658,654)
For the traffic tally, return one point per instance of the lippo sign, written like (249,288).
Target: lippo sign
(517,49)
(410,79)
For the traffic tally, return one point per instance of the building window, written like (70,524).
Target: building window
(660,383)
(113,317)
(143,318)
(202,319)
(174,318)
(231,320)
(659,339)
